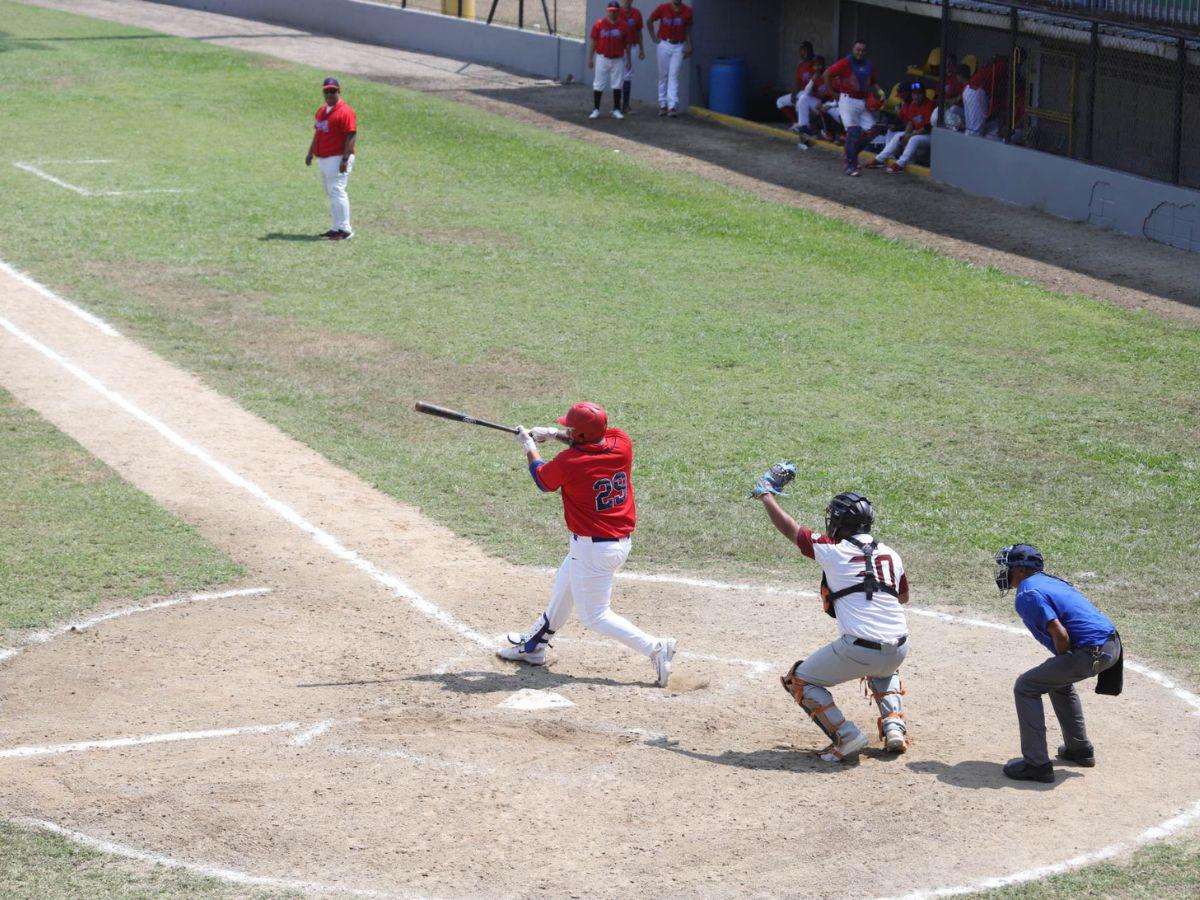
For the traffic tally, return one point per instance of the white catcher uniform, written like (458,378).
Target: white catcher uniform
(872,645)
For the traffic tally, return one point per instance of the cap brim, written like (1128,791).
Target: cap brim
(562,420)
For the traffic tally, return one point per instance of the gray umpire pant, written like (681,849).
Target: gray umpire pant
(1057,677)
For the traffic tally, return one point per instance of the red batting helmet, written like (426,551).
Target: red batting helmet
(588,421)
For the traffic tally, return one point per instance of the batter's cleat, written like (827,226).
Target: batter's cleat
(844,751)
(662,660)
(894,740)
(341,235)
(894,168)
(594,114)
(1084,756)
(1020,770)
(617,114)
(329,234)
(517,654)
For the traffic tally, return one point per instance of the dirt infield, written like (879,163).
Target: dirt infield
(380,756)
(351,728)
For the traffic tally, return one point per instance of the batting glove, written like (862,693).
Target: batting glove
(525,439)
(541,435)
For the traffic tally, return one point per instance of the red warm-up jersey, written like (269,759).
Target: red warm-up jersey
(632,20)
(597,491)
(917,113)
(610,38)
(672,23)
(804,72)
(845,80)
(332,126)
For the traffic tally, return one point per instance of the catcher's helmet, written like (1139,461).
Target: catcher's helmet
(1025,556)
(588,422)
(848,510)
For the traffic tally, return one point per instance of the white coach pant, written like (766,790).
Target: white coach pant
(975,109)
(670,61)
(608,73)
(915,143)
(584,584)
(335,187)
(854,113)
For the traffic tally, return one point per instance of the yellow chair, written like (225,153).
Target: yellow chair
(893,102)
(933,64)
(970,62)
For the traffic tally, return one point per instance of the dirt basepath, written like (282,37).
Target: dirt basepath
(423,783)
(1060,255)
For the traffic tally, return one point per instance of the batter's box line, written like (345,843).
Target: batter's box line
(35,169)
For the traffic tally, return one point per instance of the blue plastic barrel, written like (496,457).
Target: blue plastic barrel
(727,86)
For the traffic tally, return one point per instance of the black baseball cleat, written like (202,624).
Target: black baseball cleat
(1020,770)
(341,235)
(1084,756)
(328,234)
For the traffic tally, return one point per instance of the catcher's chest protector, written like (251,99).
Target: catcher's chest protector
(870,585)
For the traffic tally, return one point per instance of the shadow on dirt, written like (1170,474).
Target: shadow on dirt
(536,678)
(776,759)
(979,774)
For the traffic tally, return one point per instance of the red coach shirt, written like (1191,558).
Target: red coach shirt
(847,80)
(632,20)
(672,22)
(610,38)
(597,492)
(332,126)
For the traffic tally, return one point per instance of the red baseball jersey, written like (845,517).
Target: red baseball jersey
(846,80)
(804,72)
(634,23)
(954,87)
(991,77)
(917,113)
(597,492)
(672,23)
(332,126)
(610,38)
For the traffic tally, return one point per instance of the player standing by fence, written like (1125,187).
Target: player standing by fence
(609,56)
(674,40)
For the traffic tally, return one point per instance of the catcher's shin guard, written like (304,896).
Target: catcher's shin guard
(818,703)
(853,138)
(888,694)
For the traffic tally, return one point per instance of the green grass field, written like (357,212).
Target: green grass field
(509,271)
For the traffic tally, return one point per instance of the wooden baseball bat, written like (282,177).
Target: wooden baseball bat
(454,415)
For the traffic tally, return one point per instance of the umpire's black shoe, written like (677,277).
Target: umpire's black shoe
(1084,756)
(1019,770)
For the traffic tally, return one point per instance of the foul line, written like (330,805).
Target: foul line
(49,634)
(169,738)
(50,295)
(230,875)
(319,536)
(88,192)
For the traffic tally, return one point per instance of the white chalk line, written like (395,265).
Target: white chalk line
(139,740)
(40,288)
(308,735)
(319,536)
(88,192)
(429,609)
(230,875)
(1154,833)
(49,634)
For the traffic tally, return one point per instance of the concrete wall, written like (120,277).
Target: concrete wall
(746,28)
(895,40)
(815,21)
(1068,188)
(528,52)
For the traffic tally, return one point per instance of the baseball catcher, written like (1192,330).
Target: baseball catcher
(862,586)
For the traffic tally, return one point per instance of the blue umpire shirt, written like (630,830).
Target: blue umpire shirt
(1042,598)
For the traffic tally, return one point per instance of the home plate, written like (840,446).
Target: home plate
(527,698)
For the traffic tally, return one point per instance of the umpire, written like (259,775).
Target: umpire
(1085,644)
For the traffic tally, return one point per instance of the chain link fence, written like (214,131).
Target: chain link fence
(565,17)
(1123,97)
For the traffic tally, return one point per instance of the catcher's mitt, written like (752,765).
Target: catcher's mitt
(774,480)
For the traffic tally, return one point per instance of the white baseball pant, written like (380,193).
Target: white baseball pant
(335,187)
(915,143)
(975,109)
(854,113)
(584,584)
(670,61)
(608,73)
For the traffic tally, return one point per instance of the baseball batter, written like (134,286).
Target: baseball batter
(863,586)
(608,54)
(631,18)
(593,474)
(856,81)
(335,133)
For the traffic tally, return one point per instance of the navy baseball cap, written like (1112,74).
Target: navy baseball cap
(331,83)
(614,4)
